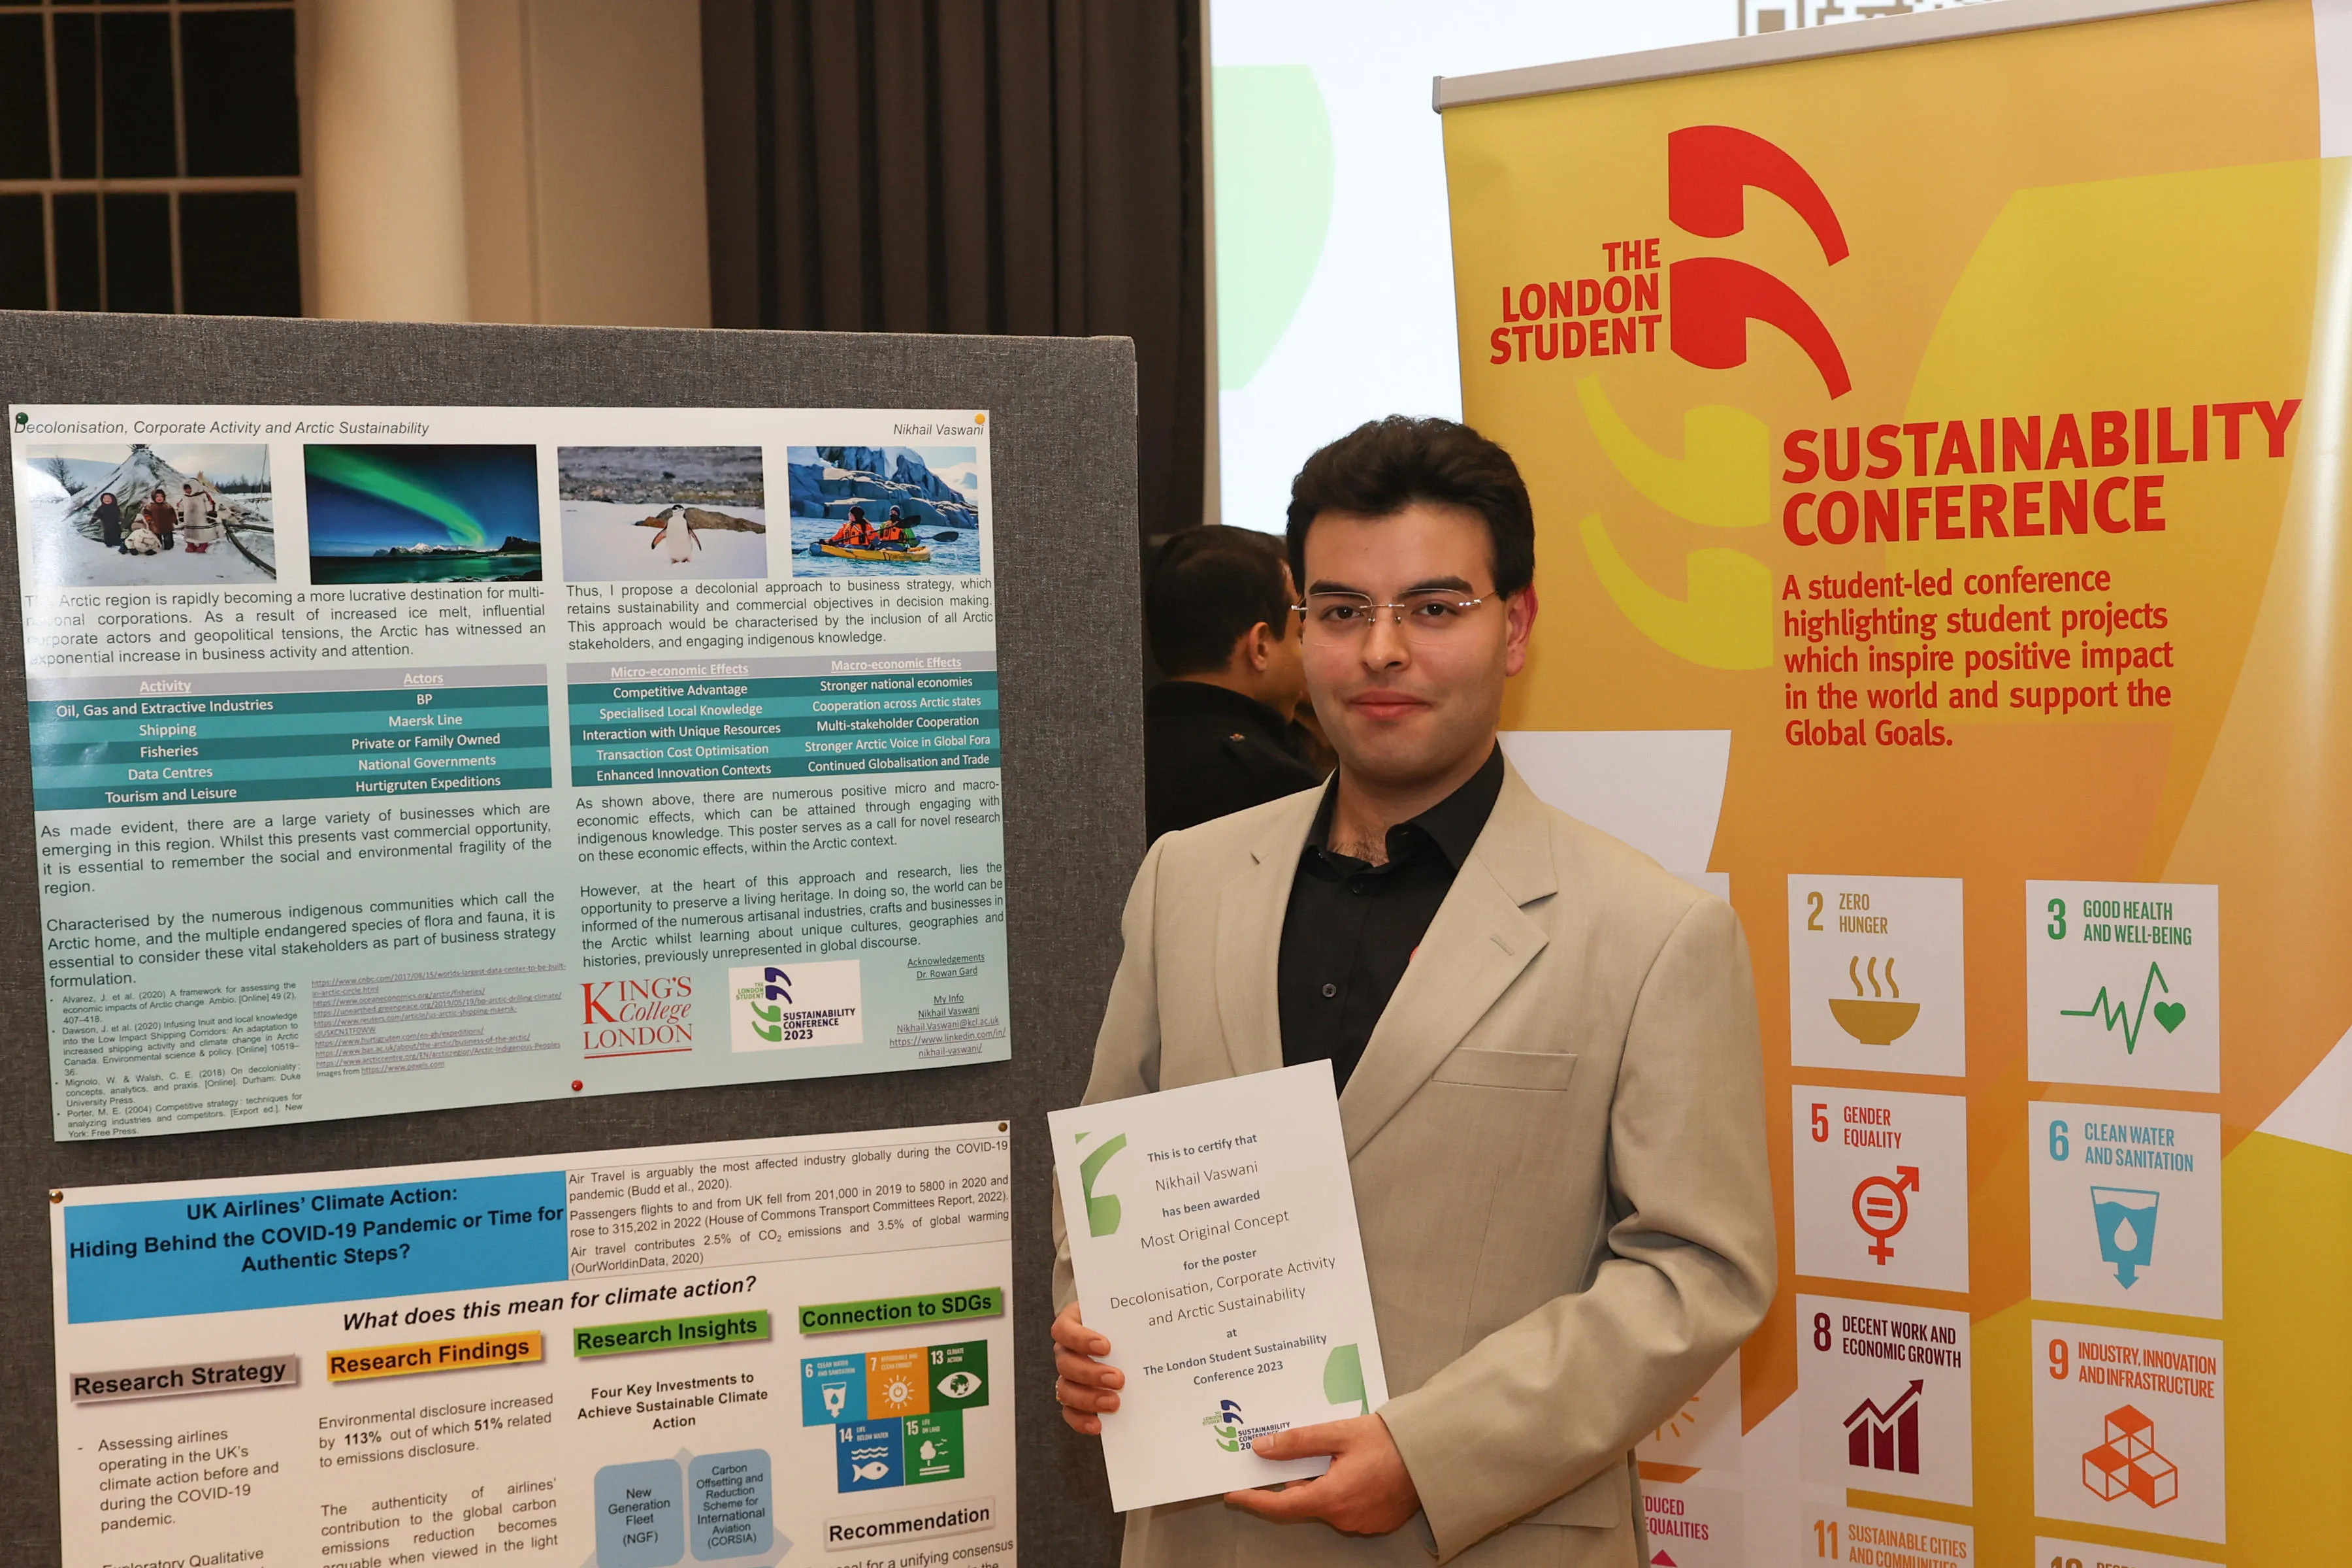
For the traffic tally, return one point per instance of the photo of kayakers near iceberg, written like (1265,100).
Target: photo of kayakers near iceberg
(633,513)
(885,511)
(140,515)
(423,514)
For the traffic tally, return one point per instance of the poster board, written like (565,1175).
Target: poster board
(1063,485)
(397,758)
(1985,632)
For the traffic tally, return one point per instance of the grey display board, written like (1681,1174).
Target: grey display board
(1063,449)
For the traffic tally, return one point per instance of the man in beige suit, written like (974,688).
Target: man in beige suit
(1547,1048)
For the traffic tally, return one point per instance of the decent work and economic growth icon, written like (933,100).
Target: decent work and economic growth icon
(1886,1439)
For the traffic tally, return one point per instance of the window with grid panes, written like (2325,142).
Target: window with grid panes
(150,156)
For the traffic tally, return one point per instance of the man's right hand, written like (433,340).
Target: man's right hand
(1083,1384)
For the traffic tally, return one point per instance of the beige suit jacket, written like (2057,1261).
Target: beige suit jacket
(1557,1141)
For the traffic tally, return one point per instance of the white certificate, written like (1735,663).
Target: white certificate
(1213,1234)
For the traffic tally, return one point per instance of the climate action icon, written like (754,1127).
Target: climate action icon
(2128,1462)
(2126,1222)
(1886,1439)
(1882,1207)
(2169,1015)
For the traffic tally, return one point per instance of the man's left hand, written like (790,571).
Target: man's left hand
(1367,1490)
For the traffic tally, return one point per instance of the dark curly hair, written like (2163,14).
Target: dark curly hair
(1379,469)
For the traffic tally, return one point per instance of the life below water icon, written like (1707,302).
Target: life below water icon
(2126,1222)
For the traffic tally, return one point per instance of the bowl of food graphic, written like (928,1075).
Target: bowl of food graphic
(1873,1022)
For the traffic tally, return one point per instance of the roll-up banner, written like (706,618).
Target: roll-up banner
(1937,433)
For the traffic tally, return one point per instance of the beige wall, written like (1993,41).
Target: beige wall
(580,133)
(583,162)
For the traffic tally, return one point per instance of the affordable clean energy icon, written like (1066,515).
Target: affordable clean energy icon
(2126,1222)
(1882,1207)
(2113,1016)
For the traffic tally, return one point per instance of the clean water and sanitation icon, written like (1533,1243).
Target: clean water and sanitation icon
(2127,1221)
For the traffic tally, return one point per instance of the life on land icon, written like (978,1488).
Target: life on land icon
(1882,1207)
(2126,1222)
(2111,1016)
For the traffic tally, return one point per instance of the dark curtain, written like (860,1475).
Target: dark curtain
(1027,166)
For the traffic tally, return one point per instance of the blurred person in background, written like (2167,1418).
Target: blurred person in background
(1218,733)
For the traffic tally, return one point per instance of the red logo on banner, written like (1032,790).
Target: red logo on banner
(1709,169)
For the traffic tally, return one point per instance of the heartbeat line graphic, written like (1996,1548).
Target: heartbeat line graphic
(2111,1014)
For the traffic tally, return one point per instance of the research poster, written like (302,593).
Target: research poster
(720,1352)
(387,759)
(1946,443)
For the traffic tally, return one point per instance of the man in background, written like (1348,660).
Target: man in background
(1218,610)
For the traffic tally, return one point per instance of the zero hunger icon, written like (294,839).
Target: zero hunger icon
(1881,1207)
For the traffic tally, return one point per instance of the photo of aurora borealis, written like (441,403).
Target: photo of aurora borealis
(423,514)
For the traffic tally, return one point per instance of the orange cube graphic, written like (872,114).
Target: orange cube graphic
(2128,1462)
(2106,1472)
(2130,1432)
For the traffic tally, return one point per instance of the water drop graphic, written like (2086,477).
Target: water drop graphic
(2126,1239)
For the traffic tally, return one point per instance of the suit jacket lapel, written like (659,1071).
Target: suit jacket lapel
(1476,945)
(1249,940)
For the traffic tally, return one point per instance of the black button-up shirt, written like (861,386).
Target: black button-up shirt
(1351,927)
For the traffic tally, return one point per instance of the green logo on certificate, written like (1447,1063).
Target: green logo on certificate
(1102,1213)
(1225,1425)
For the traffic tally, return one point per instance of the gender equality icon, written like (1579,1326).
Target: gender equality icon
(1882,1207)
(2126,1222)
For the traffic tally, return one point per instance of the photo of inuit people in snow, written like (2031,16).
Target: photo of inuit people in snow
(130,516)
(632,513)
(885,511)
